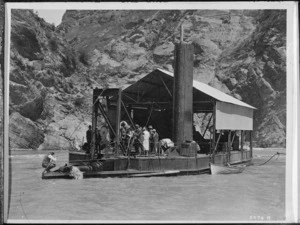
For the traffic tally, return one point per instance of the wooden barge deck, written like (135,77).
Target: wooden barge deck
(148,166)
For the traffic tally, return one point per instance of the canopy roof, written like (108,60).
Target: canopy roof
(157,87)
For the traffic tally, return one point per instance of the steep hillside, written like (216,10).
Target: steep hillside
(43,96)
(131,43)
(230,47)
(53,70)
(255,71)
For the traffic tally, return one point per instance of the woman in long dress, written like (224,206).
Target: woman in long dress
(146,135)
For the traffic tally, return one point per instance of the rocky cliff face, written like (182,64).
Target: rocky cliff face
(255,71)
(53,70)
(131,43)
(44,101)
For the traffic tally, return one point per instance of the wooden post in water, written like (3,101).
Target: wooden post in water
(94,122)
(118,120)
(242,145)
(251,147)
(183,93)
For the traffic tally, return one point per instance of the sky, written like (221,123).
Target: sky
(51,16)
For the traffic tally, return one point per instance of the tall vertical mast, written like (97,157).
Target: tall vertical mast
(183,92)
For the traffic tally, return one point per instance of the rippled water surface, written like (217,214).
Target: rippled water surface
(256,194)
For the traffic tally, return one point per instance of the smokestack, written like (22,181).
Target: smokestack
(183,92)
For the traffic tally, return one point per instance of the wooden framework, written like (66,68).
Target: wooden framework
(119,106)
(97,106)
(152,94)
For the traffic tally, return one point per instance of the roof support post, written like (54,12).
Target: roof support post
(242,145)
(228,147)
(118,119)
(94,122)
(214,133)
(251,147)
(216,146)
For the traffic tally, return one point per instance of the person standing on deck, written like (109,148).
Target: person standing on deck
(138,139)
(155,140)
(123,132)
(146,136)
(98,141)
(129,136)
(89,137)
(48,162)
(151,142)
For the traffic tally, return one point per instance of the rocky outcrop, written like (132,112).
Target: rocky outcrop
(164,53)
(41,64)
(24,133)
(256,71)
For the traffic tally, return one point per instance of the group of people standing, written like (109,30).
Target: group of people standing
(145,140)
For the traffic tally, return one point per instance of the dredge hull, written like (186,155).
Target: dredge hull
(147,166)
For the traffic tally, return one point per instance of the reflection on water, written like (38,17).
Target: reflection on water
(256,194)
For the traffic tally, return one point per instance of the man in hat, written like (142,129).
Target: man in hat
(48,162)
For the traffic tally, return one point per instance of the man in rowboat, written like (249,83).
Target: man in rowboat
(48,162)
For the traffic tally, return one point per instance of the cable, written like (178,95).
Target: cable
(277,153)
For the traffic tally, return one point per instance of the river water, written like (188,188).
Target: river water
(257,194)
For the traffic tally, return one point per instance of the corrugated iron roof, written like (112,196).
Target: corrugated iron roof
(213,92)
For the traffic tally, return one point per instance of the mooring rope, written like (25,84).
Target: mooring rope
(277,153)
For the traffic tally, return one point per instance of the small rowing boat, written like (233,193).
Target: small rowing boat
(216,169)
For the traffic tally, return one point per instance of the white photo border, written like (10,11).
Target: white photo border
(292,197)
